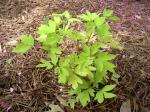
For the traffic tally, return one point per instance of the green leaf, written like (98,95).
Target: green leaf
(95,48)
(52,40)
(104,33)
(115,45)
(99,97)
(92,16)
(115,77)
(99,76)
(81,71)
(74,80)
(92,68)
(102,66)
(64,62)
(52,26)
(91,92)
(27,42)
(57,20)
(42,38)
(55,50)
(45,29)
(90,27)
(67,26)
(109,95)
(67,15)
(63,75)
(74,20)
(99,21)
(84,98)
(114,18)
(45,64)
(84,85)
(71,103)
(108,88)
(107,12)
(77,36)
(54,58)
(104,56)
(85,17)
(72,92)
(99,64)
(109,66)
(86,51)
(56,15)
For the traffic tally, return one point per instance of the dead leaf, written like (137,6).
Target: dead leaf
(62,101)
(54,108)
(126,106)
(135,105)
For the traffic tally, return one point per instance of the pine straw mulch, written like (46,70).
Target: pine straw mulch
(25,88)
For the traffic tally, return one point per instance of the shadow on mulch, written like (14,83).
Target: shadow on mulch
(23,87)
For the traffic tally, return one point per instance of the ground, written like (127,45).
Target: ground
(32,88)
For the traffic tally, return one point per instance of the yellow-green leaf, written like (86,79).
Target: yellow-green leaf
(27,42)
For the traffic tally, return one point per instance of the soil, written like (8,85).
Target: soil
(24,88)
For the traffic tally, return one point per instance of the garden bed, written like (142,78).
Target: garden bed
(23,87)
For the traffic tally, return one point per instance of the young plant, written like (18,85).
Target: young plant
(86,71)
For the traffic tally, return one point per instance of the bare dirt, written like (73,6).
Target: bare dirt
(33,87)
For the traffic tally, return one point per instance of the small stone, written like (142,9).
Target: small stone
(123,56)
(11,90)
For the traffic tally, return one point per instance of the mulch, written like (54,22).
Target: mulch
(24,88)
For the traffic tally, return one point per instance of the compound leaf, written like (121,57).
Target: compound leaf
(45,63)
(74,81)
(84,98)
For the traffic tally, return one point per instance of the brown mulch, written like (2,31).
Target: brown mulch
(33,87)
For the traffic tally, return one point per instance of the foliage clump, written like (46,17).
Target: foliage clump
(87,71)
